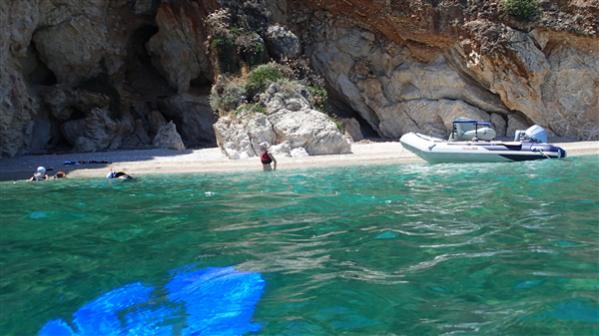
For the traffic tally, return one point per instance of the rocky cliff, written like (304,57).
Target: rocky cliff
(92,75)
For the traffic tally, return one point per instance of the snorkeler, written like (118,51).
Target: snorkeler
(267,158)
(60,174)
(118,175)
(39,175)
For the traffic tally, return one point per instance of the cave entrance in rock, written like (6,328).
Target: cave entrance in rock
(342,109)
(187,111)
(35,71)
(140,73)
(46,133)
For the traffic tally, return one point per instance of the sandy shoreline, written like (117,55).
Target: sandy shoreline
(210,160)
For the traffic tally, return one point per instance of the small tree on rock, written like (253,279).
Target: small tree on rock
(522,9)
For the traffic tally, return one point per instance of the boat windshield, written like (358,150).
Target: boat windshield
(474,123)
(467,129)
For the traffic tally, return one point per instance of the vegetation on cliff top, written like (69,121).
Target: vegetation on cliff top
(240,56)
(522,9)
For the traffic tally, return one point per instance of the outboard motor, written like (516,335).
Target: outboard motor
(536,133)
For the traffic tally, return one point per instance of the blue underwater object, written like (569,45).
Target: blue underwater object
(214,301)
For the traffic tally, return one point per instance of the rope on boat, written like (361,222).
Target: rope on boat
(545,155)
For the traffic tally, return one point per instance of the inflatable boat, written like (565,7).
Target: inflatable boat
(465,145)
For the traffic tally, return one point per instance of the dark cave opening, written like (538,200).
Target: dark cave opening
(35,71)
(103,84)
(342,109)
(140,73)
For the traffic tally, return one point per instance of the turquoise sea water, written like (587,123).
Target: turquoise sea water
(495,249)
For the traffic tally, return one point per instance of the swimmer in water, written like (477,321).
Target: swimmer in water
(60,174)
(118,175)
(267,158)
(39,175)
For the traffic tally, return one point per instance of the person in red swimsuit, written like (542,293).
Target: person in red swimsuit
(267,158)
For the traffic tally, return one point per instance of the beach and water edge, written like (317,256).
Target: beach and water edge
(212,160)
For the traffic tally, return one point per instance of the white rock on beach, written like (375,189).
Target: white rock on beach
(168,137)
(289,121)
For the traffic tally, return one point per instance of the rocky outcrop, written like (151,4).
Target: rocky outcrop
(282,43)
(289,122)
(168,138)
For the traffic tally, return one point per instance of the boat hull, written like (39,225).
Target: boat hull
(434,150)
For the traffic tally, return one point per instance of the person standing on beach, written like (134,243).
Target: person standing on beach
(267,158)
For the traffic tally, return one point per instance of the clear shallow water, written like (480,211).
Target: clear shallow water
(414,250)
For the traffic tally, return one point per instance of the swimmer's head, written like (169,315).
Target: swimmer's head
(41,170)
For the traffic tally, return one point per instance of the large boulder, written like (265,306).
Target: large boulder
(168,138)
(282,43)
(289,123)
(309,129)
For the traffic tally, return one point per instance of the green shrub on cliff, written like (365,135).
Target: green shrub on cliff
(226,95)
(251,49)
(225,51)
(319,97)
(522,9)
(222,42)
(260,77)
(250,107)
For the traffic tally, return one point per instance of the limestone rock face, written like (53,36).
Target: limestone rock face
(168,138)
(394,91)
(73,50)
(97,131)
(178,48)
(571,92)
(540,71)
(290,124)
(62,102)
(63,60)
(18,106)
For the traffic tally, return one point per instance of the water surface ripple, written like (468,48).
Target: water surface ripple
(406,250)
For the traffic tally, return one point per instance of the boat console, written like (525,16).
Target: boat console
(467,129)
